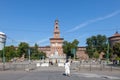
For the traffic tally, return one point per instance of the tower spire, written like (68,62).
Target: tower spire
(56,29)
(56,42)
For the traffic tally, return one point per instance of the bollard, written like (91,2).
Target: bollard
(90,67)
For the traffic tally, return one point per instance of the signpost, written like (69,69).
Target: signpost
(73,52)
(107,56)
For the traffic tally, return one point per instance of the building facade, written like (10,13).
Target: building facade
(56,44)
(81,53)
(113,39)
(2,40)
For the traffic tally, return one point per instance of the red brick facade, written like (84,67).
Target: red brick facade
(115,38)
(56,44)
(81,53)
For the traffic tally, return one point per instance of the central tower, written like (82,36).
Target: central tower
(56,30)
(56,42)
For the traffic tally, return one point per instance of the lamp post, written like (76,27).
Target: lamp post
(4,57)
(107,56)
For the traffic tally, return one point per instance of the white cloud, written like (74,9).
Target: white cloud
(94,20)
(83,36)
(43,41)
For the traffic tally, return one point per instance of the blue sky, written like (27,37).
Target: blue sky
(32,21)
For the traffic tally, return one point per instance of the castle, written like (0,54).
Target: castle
(56,44)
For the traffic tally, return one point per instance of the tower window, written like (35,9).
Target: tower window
(56,27)
(56,23)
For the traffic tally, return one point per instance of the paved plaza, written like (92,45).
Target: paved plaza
(57,73)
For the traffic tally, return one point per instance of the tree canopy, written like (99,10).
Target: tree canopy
(10,52)
(68,46)
(36,54)
(116,49)
(23,49)
(96,44)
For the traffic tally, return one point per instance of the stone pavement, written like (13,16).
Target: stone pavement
(56,73)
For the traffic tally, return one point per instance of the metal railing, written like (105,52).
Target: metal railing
(75,65)
(94,66)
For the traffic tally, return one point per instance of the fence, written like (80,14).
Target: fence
(75,65)
(94,66)
(17,66)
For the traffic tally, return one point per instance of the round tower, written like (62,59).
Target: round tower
(113,39)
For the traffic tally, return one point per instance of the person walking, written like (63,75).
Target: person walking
(67,68)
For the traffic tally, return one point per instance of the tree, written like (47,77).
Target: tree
(36,48)
(10,52)
(116,49)
(89,47)
(96,55)
(96,43)
(36,54)
(75,44)
(68,46)
(23,49)
(1,55)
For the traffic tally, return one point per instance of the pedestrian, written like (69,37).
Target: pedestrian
(67,68)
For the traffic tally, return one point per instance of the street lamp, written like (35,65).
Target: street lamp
(107,56)
(4,57)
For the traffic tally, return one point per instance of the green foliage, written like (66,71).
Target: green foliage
(96,55)
(36,54)
(116,49)
(23,49)
(68,46)
(10,52)
(96,43)
(117,58)
(1,55)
